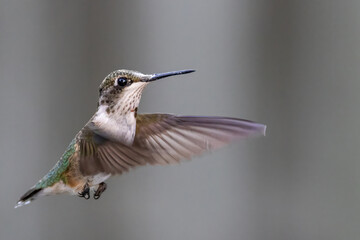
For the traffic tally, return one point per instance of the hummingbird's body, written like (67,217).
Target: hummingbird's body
(116,139)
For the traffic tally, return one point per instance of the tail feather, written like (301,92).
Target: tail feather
(28,197)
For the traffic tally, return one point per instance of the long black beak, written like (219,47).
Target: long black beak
(157,76)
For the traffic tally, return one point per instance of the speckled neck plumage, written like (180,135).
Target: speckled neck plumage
(117,113)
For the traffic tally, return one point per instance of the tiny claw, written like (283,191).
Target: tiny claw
(85,193)
(102,187)
(87,196)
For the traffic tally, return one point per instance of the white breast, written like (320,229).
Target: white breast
(121,128)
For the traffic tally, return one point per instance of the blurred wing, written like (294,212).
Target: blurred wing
(98,154)
(169,139)
(160,139)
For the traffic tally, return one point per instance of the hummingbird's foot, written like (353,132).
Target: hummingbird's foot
(85,192)
(100,190)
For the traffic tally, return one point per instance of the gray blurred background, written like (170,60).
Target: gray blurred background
(294,65)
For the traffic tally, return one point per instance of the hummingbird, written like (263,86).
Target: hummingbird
(117,139)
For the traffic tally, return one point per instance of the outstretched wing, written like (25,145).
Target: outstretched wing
(169,139)
(160,139)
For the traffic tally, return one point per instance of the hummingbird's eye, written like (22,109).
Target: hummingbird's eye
(122,81)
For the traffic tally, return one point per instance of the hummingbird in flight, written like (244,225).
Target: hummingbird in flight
(117,139)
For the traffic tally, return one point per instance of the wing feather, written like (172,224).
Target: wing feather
(160,139)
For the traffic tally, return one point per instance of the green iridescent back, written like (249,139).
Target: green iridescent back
(55,174)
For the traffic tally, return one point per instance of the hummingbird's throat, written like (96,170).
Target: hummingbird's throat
(119,116)
(129,99)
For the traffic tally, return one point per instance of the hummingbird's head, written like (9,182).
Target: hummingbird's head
(121,90)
